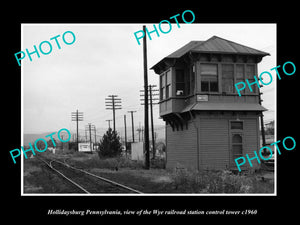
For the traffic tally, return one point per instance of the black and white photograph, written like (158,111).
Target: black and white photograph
(150,113)
(90,82)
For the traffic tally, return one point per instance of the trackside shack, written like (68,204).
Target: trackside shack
(208,124)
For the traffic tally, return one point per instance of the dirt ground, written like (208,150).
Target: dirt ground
(39,179)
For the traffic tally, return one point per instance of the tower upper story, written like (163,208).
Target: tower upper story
(202,75)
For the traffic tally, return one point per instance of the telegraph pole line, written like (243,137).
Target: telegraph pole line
(132,124)
(139,130)
(147,155)
(108,123)
(95,135)
(90,137)
(90,127)
(152,92)
(125,134)
(152,126)
(77,116)
(262,120)
(113,104)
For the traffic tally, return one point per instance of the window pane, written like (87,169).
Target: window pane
(188,90)
(253,87)
(168,91)
(179,88)
(180,85)
(237,139)
(179,76)
(227,78)
(204,86)
(213,86)
(240,71)
(209,78)
(168,74)
(192,79)
(208,69)
(227,71)
(237,150)
(163,93)
(241,91)
(250,71)
(227,85)
(163,80)
(236,125)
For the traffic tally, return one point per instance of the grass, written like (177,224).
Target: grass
(155,180)
(172,181)
(225,181)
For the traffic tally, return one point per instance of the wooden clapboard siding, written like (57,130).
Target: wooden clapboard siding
(182,147)
(214,143)
(251,139)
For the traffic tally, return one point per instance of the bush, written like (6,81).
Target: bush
(211,182)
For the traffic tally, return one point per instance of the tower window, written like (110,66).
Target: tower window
(209,77)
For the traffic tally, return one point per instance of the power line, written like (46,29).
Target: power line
(113,104)
(77,116)
(147,156)
(132,124)
(152,93)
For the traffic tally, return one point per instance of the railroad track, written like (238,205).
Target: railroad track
(85,181)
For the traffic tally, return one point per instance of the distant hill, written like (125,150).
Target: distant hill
(160,134)
(30,138)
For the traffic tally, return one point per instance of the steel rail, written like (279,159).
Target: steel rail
(83,171)
(68,179)
(101,178)
(73,182)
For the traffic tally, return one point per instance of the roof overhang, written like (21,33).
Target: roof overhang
(206,106)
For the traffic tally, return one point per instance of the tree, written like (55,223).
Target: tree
(110,145)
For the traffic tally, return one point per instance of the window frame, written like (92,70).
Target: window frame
(226,78)
(239,132)
(179,83)
(205,78)
(234,156)
(166,89)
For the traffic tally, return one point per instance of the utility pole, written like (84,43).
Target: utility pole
(139,130)
(147,155)
(77,116)
(108,123)
(152,92)
(125,134)
(90,127)
(113,104)
(95,135)
(90,137)
(132,124)
(262,121)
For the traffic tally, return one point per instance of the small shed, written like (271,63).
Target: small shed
(137,151)
(208,124)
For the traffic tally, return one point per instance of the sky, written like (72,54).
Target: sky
(105,59)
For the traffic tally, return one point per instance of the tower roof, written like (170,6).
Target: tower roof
(214,45)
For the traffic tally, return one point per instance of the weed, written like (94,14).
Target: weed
(191,181)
